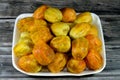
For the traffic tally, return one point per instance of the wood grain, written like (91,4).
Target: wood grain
(110,25)
(12,8)
(108,10)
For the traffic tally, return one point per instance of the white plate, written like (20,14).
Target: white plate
(16,34)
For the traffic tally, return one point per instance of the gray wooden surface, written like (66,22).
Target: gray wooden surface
(108,10)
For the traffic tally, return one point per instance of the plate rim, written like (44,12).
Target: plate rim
(57,74)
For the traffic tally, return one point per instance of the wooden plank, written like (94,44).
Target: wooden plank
(110,24)
(112,59)
(12,8)
(108,10)
(6,32)
(7,70)
(66,78)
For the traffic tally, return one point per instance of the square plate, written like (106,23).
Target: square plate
(16,35)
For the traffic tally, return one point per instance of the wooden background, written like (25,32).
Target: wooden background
(108,10)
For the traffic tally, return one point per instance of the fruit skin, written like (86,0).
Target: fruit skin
(53,15)
(60,28)
(94,42)
(29,64)
(94,60)
(93,30)
(61,44)
(79,30)
(36,27)
(84,17)
(42,33)
(22,49)
(24,45)
(80,48)
(71,25)
(39,12)
(43,53)
(76,66)
(24,23)
(58,63)
(29,24)
(69,14)
(37,24)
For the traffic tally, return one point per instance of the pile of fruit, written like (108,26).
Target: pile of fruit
(57,39)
